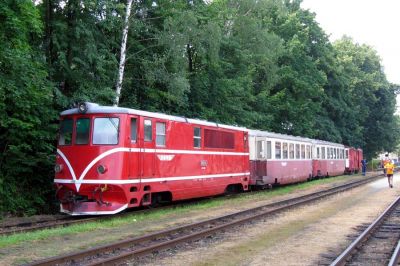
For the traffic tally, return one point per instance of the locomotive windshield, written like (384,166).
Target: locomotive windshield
(65,132)
(106,131)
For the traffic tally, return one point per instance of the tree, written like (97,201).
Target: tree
(26,131)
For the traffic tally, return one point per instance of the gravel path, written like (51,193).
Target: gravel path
(299,237)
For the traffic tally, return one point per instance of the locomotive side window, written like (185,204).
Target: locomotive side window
(197,137)
(297,151)
(82,131)
(65,132)
(291,151)
(285,150)
(269,153)
(148,130)
(218,139)
(133,129)
(106,131)
(160,134)
(278,151)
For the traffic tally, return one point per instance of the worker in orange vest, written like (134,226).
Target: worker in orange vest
(389,167)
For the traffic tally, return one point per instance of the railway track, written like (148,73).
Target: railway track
(42,224)
(139,246)
(64,221)
(378,244)
(31,226)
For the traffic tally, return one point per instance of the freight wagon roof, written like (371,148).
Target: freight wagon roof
(98,109)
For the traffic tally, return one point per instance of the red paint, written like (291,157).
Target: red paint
(146,163)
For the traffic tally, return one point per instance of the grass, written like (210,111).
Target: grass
(156,214)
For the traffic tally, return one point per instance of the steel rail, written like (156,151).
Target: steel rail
(346,254)
(249,214)
(394,260)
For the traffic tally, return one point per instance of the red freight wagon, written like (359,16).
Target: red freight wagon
(279,159)
(328,158)
(353,160)
(112,158)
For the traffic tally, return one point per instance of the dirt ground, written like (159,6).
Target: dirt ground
(297,237)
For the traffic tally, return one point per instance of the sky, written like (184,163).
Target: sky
(372,22)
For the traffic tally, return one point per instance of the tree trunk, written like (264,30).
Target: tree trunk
(123,53)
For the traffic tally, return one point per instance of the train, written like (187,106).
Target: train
(112,158)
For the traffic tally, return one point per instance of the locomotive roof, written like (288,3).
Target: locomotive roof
(94,108)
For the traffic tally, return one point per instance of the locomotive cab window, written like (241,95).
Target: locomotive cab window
(133,129)
(106,131)
(148,130)
(82,131)
(160,134)
(65,132)
(196,137)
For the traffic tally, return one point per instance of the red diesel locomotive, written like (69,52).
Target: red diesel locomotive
(113,158)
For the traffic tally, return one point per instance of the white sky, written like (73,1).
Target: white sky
(372,22)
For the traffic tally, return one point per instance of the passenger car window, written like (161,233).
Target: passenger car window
(65,132)
(260,149)
(278,150)
(303,151)
(285,150)
(106,131)
(291,151)
(269,153)
(160,134)
(82,131)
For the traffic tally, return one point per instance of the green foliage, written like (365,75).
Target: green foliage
(26,135)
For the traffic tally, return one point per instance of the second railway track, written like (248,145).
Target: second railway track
(143,245)
(378,244)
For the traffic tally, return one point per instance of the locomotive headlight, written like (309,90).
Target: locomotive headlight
(82,108)
(101,169)
(58,168)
